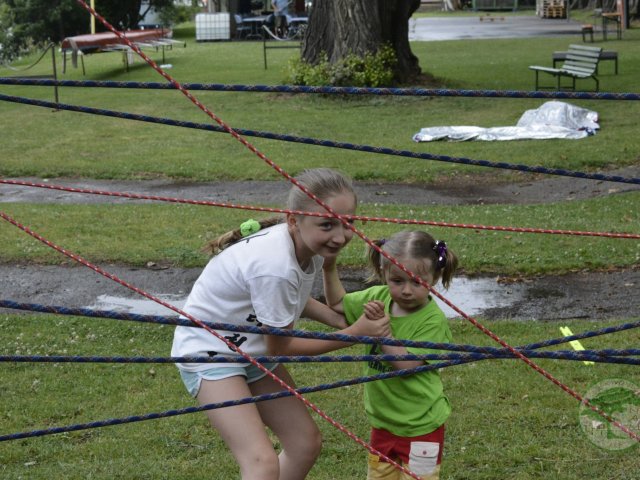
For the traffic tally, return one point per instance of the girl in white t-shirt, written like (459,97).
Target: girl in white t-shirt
(265,278)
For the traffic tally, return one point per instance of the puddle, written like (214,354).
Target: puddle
(472,296)
(140,306)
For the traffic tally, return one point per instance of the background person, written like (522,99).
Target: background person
(280,11)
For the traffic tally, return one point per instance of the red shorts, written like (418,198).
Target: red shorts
(422,454)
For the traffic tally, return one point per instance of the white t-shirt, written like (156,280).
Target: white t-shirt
(255,281)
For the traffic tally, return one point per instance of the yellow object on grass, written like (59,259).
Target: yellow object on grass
(577,346)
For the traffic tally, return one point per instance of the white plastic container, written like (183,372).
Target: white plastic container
(213,26)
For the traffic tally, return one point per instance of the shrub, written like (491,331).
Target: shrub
(372,70)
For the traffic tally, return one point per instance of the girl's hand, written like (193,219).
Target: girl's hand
(376,325)
(329,263)
(374,310)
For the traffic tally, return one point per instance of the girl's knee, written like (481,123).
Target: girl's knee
(262,463)
(308,446)
(315,443)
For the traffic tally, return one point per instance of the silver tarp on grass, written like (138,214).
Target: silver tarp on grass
(552,120)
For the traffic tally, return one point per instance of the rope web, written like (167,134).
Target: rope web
(465,353)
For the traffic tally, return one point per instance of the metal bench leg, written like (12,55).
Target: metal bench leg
(264,51)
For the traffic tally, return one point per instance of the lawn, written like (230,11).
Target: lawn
(508,421)
(77,145)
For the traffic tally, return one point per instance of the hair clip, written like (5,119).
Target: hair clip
(249,227)
(441,250)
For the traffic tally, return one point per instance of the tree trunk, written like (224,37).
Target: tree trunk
(395,31)
(339,28)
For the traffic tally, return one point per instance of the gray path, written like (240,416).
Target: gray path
(582,295)
(459,28)
(474,190)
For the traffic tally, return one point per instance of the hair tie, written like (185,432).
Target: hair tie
(382,241)
(441,250)
(249,227)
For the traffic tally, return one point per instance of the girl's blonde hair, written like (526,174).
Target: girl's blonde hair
(324,183)
(414,245)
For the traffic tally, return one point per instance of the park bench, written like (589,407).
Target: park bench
(604,55)
(581,62)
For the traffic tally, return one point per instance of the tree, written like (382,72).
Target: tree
(338,28)
(39,21)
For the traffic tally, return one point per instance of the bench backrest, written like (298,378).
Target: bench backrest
(582,60)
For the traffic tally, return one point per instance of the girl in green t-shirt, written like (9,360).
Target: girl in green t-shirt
(407,413)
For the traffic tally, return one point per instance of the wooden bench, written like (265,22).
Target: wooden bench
(604,55)
(581,62)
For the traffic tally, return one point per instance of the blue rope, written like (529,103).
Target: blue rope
(281,394)
(326,90)
(152,416)
(594,355)
(602,356)
(114,315)
(580,336)
(246,329)
(320,142)
(465,358)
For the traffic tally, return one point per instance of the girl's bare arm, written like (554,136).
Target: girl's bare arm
(277,345)
(334,292)
(322,313)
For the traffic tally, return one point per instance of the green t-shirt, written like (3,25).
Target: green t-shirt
(409,405)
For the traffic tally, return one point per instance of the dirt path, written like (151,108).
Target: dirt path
(587,295)
(467,190)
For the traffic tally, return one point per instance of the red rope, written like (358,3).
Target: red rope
(316,409)
(281,171)
(272,164)
(362,218)
(232,346)
(252,148)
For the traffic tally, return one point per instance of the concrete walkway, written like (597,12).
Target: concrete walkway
(491,26)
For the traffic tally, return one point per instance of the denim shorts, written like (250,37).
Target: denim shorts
(192,380)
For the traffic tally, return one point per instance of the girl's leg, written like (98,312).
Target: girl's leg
(241,428)
(291,422)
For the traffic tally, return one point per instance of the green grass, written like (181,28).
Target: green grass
(507,421)
(81,145)
(51,144)
(99,232)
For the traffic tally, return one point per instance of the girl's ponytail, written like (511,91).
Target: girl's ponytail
(375,261)
(447,262)
(227,239)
